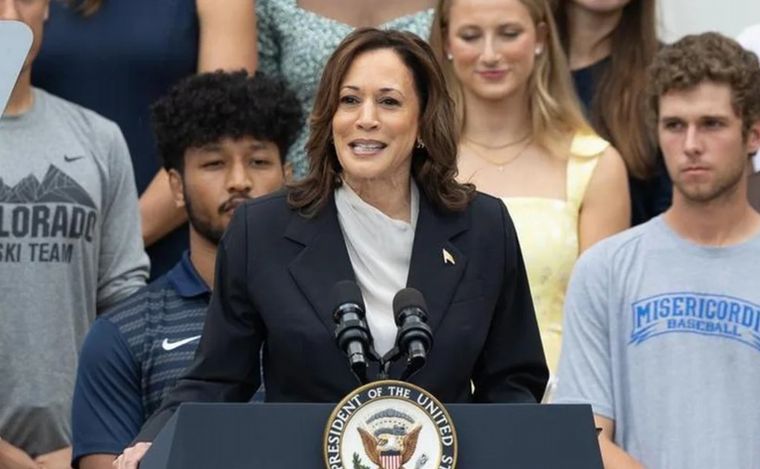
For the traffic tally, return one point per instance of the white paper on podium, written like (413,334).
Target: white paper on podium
(15,41)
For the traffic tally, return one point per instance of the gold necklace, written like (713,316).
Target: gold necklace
(500,165)
(500,146)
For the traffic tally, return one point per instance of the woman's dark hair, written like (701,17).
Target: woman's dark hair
(618,110)
(208,107)
(85,7)
(434,166)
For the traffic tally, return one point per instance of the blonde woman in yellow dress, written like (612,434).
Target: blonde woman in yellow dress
(524,139)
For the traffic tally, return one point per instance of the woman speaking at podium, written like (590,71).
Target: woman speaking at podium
(380,206)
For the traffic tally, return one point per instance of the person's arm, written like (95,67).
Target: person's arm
(613,456)
(585,372)
(58,459)
(606,207)
(228,42)
(158,211)
(107,407)
(512,366)
(227,35)
(12,457)
(97,461)
(123,266)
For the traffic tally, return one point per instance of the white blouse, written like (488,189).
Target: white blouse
(380,249)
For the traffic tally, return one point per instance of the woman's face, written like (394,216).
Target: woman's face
(493,46)
(376,123)
(600,6)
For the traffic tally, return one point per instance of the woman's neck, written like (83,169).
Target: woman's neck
(590,35)
(496,122)
(392,195)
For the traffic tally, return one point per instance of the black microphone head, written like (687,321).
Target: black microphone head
(408,298)
(344,293)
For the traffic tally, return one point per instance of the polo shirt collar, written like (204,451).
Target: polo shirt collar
(186,280)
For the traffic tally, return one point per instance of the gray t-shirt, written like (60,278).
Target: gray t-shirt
(663,337)
(70,245)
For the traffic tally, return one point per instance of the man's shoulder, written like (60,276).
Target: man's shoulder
(76,114)
(151,309)
(623,244)
(141,306)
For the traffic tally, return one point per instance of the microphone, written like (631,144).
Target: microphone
(351,334)
(414,335)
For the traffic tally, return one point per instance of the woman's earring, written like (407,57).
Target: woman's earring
(450,56)
(538,50)
(420,143)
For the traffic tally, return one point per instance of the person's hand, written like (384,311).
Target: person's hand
(14,458)
(60,459)
(131,456)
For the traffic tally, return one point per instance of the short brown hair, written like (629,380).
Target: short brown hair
(707,57)
(434,166)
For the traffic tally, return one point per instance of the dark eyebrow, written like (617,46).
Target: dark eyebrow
(508,24)
(382,90)
(388,90)
(211,146)
(706,116)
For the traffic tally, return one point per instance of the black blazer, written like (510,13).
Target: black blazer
(275,269)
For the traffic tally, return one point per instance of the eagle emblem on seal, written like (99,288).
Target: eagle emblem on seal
(390,438)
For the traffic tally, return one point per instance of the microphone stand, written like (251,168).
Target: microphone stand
(384,362)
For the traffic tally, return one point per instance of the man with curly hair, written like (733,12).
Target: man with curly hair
(223,138)
(662,331)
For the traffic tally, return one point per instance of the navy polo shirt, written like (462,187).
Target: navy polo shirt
(131,358)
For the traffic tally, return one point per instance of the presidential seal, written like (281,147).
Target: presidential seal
(390,425)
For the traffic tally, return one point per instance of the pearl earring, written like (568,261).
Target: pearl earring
(538,50)
(450,56)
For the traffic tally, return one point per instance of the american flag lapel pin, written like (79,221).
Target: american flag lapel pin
(448,258)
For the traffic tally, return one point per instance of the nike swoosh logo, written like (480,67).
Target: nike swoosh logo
(69,159)
(169,346)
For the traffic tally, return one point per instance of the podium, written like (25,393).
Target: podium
(279,435)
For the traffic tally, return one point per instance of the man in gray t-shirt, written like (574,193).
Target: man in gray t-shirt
(70,246)
(662,322)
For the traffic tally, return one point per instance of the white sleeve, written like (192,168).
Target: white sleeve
(123,266)
(585,372)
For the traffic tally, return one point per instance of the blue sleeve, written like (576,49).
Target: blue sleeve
(107,408)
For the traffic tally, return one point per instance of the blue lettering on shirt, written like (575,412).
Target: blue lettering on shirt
(706,314)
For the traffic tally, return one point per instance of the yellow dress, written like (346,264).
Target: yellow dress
(548,233)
